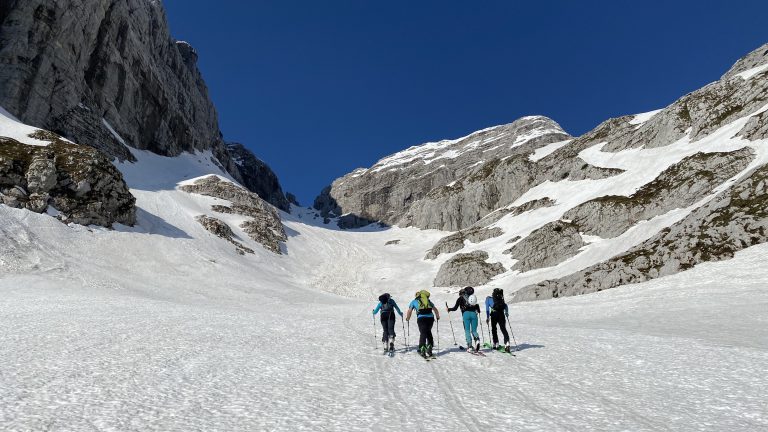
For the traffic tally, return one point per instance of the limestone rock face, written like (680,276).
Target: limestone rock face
(78,181)
(258,177)
(737,218)
(455,242)
(467,269)
(390,189)
(264,225)
(679,186)
(108,74)
(547,246)
(220,229)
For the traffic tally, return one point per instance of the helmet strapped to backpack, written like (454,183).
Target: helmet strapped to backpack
(472,300)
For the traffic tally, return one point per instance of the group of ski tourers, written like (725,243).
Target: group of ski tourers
(496,315)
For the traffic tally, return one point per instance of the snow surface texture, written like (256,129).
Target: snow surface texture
(163,326)
(11,127)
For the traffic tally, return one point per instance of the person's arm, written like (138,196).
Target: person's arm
(437,312)
(476,308)
(487,311)
(378,306)
(506,310)
(394,303)
(408,314)
(456,306)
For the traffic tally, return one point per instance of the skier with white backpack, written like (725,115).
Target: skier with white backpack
(470,311)
(387,306)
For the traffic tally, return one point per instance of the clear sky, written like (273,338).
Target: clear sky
(317,88)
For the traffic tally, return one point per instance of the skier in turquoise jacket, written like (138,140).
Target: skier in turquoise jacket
(387,306)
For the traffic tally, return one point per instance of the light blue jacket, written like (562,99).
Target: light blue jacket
(415,305)
(489,306)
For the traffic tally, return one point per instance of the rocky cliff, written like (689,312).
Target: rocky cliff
(107,73)
(408,188)
(635,198)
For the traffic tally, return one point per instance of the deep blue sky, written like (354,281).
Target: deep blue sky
(318,88)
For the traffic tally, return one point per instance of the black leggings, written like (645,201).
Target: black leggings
(498,318)
(425,331)
(388,324)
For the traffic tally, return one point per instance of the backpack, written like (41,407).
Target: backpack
(469,291)
(423,299)
(472,300)
(498,299)
(386,304)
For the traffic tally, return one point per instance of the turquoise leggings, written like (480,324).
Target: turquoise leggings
(470,324)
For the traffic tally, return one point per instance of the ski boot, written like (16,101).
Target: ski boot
(477,345)
(429,351)
(507,348)
(423,351)
(495,346)
(392,344)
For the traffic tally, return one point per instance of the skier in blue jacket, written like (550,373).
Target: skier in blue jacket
(387,306)
(497,311)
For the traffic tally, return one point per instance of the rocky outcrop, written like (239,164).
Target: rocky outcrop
(547,246)
(679,186)
(108,74)
(66,65)
(497,215)
(496,184)
(264,225)
(467,269)
(258,177)
(388,190)
(704,110)
(221,229)
(734,220)
(79,182)
(455,242)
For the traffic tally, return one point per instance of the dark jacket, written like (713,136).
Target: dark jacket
(461,302)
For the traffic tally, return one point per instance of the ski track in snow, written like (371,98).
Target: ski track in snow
(164,327)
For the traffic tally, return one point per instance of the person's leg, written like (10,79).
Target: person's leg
(466,319)
(473,325)
(493,329)
(385,329)
(430,340)
(391,325)
(503,326)
(423,329)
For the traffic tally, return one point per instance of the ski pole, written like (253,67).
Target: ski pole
(373,317)
(482,332)
(438,335)
(451,322)
(404,336)
(512,333)
(409,334)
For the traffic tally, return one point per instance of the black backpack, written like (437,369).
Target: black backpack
(498,299)
(469,291)
(386,305)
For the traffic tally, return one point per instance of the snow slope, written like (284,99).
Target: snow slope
(163,326)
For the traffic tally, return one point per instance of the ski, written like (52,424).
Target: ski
(478,353)
(503,351)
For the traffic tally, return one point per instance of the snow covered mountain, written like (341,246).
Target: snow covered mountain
(154,283)
(549,215)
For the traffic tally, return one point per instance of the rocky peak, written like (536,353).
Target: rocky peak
(756,58)
(386,191)
(257,176)
(108,74)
